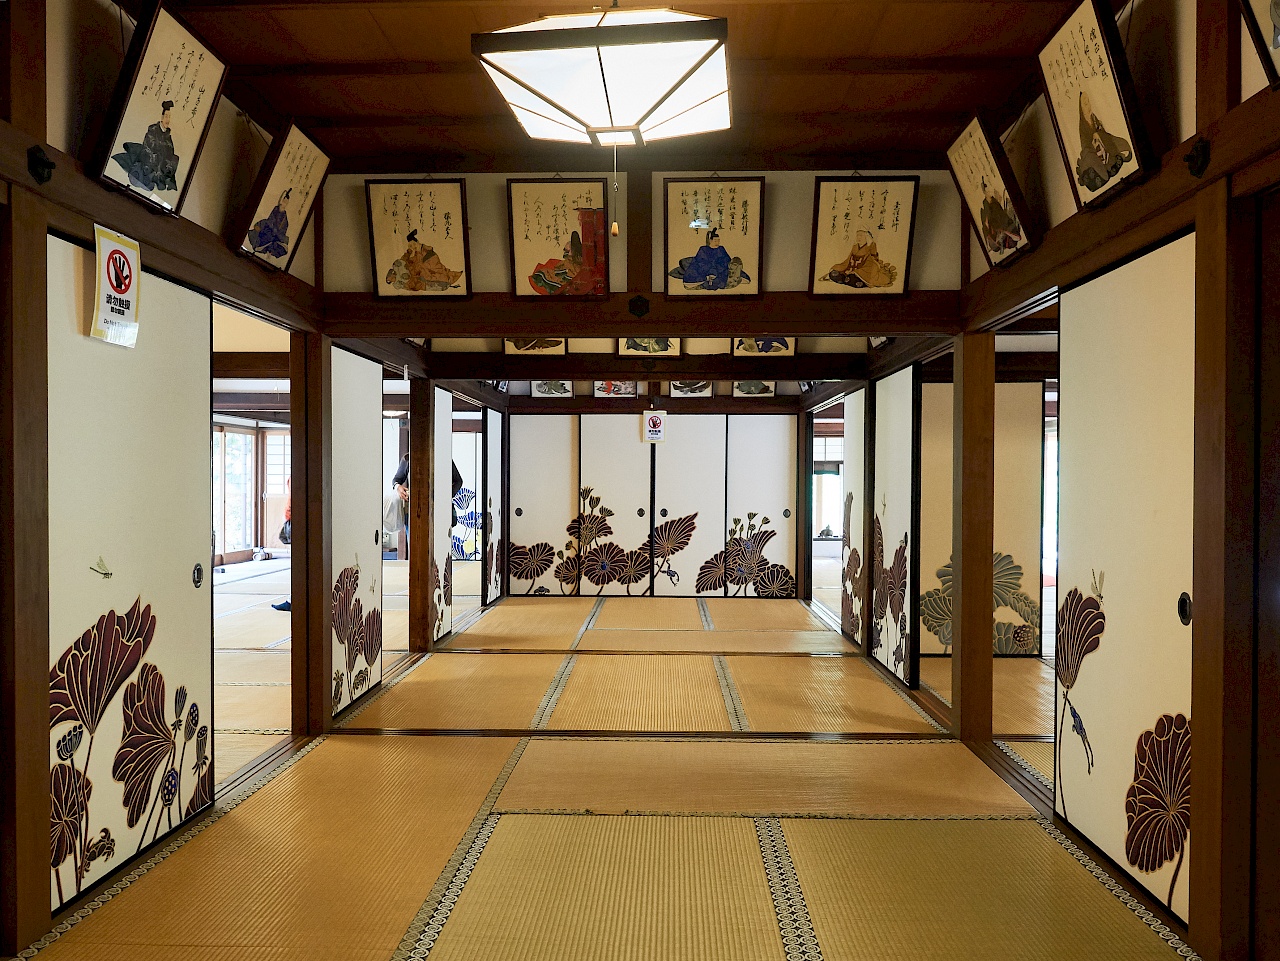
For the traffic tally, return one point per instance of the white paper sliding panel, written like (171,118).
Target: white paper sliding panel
(130,586)
(853,578)
(689,497)
(890,638)
(356,534)
(613,508)
(492,512)
(1123,655)
(442,515)
(760,506)
(1019,495)
(544,500)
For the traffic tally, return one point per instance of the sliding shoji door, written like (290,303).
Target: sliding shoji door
(760,503)
(688,483)
(616,467)
(544,499)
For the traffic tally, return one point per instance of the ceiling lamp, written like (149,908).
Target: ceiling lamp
(613,77)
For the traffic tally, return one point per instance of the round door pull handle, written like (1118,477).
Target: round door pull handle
(197,575)
(663,512)
(786,512)
(519,512)
(377,536)
(639,512)
(1184,608)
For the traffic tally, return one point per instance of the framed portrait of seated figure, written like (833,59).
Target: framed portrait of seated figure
(862,233)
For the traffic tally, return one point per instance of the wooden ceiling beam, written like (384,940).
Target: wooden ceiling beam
(503,315)
(392,352)
(494,366)
(848,122)
(901,352)
(223,6)
(762,67)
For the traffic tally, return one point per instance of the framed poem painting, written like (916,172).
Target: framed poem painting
(614,388)
(282,200)
(755,346)
(1263,19)
(559,237)
(1093,105)
(649,346)
(160,112)
(713,243)
(418,237)
(534,345)
(991,193)
(862,231)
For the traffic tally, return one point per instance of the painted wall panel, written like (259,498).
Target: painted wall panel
(760,505)
(442,513)
(891,638)
(494,552)
(853,580)
(356,526)
(1123,656)
(467,455)
(688,471)
(544,499)
(1019,453)
(614,517)
(130,493)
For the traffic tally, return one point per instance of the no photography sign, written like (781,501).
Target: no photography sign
(115,317)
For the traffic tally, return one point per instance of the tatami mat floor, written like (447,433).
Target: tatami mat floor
(1022,692)
(616,840)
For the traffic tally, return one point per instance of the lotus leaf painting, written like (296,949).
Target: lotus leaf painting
(1087,79)
(862,231)
(285,194)
(552,388)
(559,238)
(418,237)
(166,104)
(989,193)
(534,345)
(753,388)
(751,346)
(650,346)
(714,236)
(691,388)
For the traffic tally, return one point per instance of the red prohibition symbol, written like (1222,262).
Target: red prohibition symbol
(655,422)
(119,272)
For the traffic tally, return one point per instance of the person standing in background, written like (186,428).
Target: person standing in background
(286,532)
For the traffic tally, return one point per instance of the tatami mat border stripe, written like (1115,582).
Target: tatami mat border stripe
(426,925)
(897,689)
(705,613)
(552,697)
(1026,765)
(936,693)
(732,701)
(387,686)
(252,683)
(1148,918)
(700,738)
(218,810)
(251,730)
(799,940)
(785,815)
(589,623)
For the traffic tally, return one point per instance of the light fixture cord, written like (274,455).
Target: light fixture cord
(615,171)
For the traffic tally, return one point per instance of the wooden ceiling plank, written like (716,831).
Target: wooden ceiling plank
(494,366)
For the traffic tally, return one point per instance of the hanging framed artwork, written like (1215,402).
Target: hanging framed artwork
(160,113)
(754,388)
(418,237)
(862,232)
(614,388)
(1263,20)
(1093,104)
(713,242)
(756,346)
(559,237)
(551,388)
(691,388)
(991,194)
(282,200)
(650,346)
(534,345)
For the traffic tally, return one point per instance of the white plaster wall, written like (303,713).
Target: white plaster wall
(235,331)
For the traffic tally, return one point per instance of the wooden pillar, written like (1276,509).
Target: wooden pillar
(24,502)
(973,519)
(421,422)
(804,506)
(311,429)
(639,235)
(1223,576)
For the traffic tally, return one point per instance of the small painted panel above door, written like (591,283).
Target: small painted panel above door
(615,505)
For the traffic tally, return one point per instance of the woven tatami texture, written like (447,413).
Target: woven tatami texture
(247,707)
(821,694)
(316,866)
(642,692)
(1039,754)
(756,614)
(650,614)
(603,888)
(1021,692)
(260,626)
(231,752)
(465,692)
(680,777)
(257,666)
(716,642)
(529,623)
(957,891)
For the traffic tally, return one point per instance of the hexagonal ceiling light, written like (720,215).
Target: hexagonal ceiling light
(612,77)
